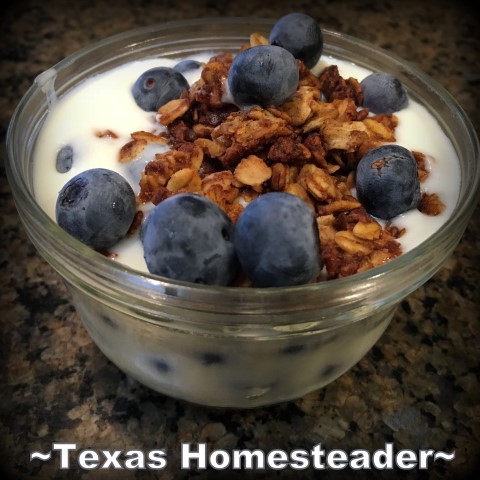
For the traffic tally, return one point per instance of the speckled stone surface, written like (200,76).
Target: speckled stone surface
(417,388)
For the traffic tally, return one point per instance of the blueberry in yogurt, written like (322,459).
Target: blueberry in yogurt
(301,35)
(97,207)
(277,242)
(157,86)
(387,181)
(383,93)
(263,75)
(188,237)
(187,65)
(64,160)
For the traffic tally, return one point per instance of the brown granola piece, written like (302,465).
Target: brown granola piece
(184,180)
(422,168)
(173,110)
(137,221)
(348,253)
(210,116)
(106,134)
(430,204)
(157,173)
(210,148)
(209,89)
(314,143)
(257,39)
(333,86)
(282,176)
(299,191)
(248,132)
(337,206)
(379,131)
(317,182)
(179,132)
(289,150)
(306,77)
(345,136)
(219,188)
(299,106)
(353,241)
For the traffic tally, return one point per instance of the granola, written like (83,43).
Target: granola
(309,146)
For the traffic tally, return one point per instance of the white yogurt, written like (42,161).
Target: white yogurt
(104,102)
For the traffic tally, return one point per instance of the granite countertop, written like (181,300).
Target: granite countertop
(418,388)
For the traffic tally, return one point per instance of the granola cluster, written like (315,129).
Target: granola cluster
(309,147)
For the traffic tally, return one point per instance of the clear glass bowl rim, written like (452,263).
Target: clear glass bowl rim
(118,283)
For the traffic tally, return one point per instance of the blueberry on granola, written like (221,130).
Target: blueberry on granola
(301,35)
(387,181)
(158,86)
(64,160)
(383,93)
(263,75)
(188,237)
(97,207)
(277,242)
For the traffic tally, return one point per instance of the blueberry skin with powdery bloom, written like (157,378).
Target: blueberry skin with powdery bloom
(383,93)
(158,86)
(387,181)
(188,237)
(263,75)
(301,35)
(277,242)
(97,207)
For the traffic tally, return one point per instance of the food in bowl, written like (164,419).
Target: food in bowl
(228,345)
(236,127)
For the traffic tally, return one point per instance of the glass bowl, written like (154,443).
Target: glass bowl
(227,346)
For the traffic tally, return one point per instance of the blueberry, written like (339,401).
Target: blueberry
(263,75)
(97,207)
(301,35)
(387,181)
(383,93)
(292,349)
(108,321)
(160,364)
(188,237)
(210,358)
(187,65)
(157,86)
(64,160)
(276,240)
(330,370)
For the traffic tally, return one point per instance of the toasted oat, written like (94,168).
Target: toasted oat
(173,110)
(253,171)
(283,175)
(349,242)
(317,182)
(150,137)
(106,134)
(132,150)
(258,39)
(185,180)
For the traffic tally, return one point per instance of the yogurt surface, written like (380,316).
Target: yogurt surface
(84,117)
